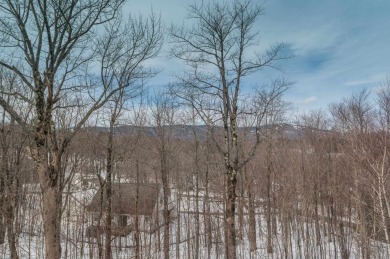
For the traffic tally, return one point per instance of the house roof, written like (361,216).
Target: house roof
(124,199)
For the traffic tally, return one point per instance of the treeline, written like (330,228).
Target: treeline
(319,181)
(70,68)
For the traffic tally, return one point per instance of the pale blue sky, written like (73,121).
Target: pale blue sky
(339,46)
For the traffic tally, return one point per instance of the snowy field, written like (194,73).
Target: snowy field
(189,237)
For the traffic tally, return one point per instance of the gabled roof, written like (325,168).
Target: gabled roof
(124,199)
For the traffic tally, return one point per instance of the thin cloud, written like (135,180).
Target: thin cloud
(337,46)
(307,101)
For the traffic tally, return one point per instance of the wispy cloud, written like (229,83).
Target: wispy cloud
(339,46)
(372,80)
(307,101)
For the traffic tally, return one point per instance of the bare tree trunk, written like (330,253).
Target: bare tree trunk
(3,180)
(11,146)
(11,210)
(269,225)
(136,222)
(316,215)
(166,195)
(12,237)
(196,176)
(109,168)
(108,191)
(188,223)
(178,230)
(2,224)
(240,204)
(197,230)
(52,201)
(208,234)
(343,242)
(166,213)
(230,243)
(269,200)
(163,114)
(252,220)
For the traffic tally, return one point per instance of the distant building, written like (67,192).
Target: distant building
(125,208)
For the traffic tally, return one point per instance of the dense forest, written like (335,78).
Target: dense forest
(96,163)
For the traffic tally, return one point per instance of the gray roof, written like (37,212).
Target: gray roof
(124,199)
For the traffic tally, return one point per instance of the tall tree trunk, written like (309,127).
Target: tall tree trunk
(52,201)
(197,221)
(252,220)
(11,235)
(136,221)
(230,243)
(48,162)
(10,185)
(316,215)
(11,209)
(2,228)
(206,206)
(178,229)
(108,189)
(166,212)
(269,228)
(197,169)
(269,200)
(241,216)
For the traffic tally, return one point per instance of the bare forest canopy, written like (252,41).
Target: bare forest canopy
(94,163)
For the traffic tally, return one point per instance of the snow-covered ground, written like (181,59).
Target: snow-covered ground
(296,239)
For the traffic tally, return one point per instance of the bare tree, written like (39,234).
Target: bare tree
(123,53)
(383,101)
(48,47)
(217,51)
(355,116)
(163,119)
(12,143)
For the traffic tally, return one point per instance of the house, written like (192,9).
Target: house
(124,207)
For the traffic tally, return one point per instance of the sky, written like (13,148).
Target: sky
(338,47)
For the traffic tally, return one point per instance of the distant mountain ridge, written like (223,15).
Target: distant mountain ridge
(188,132)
